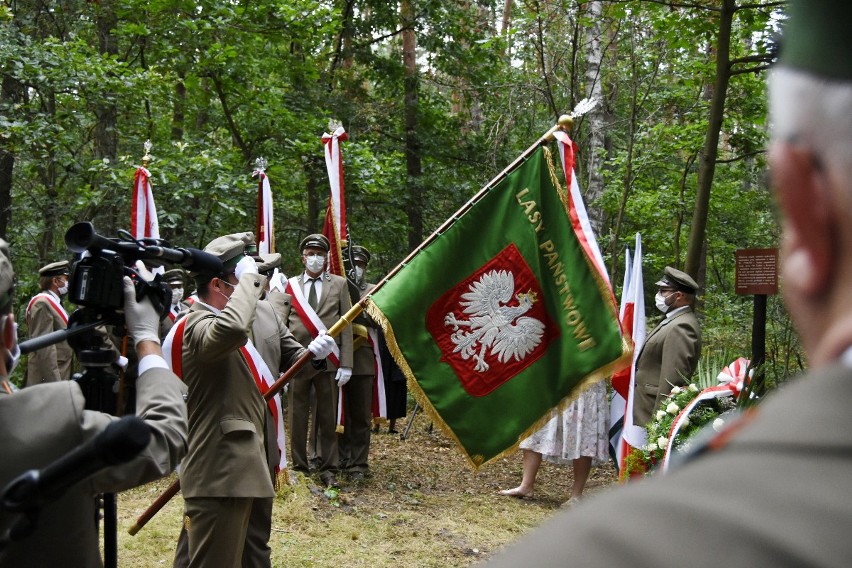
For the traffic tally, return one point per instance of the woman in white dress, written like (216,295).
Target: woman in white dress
(578,435)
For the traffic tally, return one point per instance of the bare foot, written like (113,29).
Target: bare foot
(517,492)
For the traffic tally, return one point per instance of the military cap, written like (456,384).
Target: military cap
(174,276)
(816,38)
(360,253)
(679,280)
(315,241)
(7,275)
(267,262)
(55,269)
(230,249)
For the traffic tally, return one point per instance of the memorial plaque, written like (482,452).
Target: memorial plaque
(757,271)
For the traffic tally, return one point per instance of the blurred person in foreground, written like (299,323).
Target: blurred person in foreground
(771,489)
(44,422)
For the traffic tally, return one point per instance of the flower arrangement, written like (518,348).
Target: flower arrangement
(710,410)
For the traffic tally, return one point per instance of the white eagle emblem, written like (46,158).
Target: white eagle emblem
(505,329)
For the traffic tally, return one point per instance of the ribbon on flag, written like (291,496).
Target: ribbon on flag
(143,213)
(335,228)
(265,233)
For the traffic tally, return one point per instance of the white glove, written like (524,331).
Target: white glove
(143,271)
(143,322)
(246,265)
(343,376)
(321,346)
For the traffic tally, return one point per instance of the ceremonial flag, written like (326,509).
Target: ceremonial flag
(335,228)
(623,433)
(143,213)
(504,317)
(265,233)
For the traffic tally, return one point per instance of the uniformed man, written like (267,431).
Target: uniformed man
(671,351)
(176,279)
(42,423)
(772,488)
(358,392)
(45,314)
(226,468)
(319,300)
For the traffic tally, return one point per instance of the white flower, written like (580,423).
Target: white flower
(685,422)
(718,424)
(672,408)
(692,387)
(676,390)
(651,447)
(662,442)
(661,414)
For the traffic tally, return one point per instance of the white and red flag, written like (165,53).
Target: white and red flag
(624,434)
(143,213)
(265,233)
(335,228)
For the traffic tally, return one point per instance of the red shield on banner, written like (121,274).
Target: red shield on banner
(493,324)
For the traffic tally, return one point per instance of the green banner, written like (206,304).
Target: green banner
(502,318)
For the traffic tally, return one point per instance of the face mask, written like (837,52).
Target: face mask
(177,294)
(359,273)
(64,289)
(660,302)
(315,263)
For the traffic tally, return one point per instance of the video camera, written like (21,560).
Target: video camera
(96,279)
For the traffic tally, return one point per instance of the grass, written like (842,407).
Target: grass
(422,507)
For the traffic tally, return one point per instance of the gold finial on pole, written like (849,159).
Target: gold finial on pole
(565,123)
(146,159)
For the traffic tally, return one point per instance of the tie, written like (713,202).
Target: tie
(312,294)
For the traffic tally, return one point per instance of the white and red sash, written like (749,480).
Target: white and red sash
(380,401)
(308,316)
(263,379)
(54,303)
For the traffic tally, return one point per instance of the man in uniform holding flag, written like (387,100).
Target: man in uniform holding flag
(319,300)
(358,392)
(45,314)
(226,469)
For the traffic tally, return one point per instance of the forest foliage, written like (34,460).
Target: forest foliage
(437,97)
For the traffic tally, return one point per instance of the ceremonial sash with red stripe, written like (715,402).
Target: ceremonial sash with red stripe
(308,316)
(263,379)
(57,307)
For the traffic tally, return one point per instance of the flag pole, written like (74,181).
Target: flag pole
(565,123)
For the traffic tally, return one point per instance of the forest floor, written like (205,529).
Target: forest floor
(422,506)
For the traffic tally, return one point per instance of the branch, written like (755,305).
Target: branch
(757,69)
(743,157)
(759,6)
(759,58)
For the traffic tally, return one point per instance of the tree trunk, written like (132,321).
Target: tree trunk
(106,113)
(413,182)
(595,118)
(11,92)
(707,164)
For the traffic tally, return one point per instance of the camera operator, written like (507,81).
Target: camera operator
(42,423)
